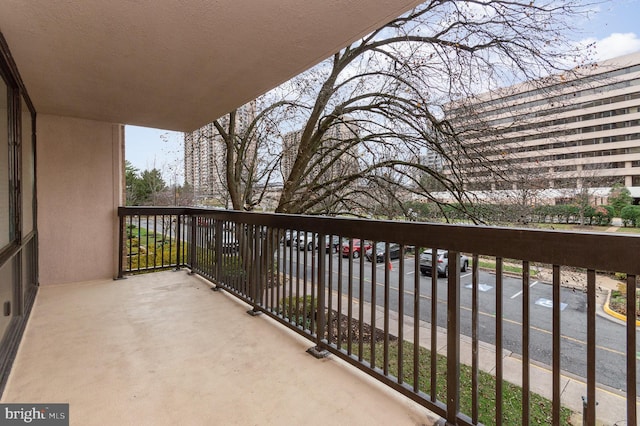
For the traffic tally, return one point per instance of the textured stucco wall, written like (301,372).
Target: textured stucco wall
(79,189)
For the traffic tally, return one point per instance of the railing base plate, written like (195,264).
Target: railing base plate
(317,352)
(254,313)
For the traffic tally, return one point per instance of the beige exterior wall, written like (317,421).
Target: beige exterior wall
(79,190)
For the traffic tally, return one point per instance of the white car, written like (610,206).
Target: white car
(442,263)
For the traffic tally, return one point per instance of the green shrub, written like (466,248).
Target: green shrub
(630,215)
(298,310)
(619,197)
(621,276)
(602,215)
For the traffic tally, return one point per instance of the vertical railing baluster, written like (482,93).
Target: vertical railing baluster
(434,325)
(193,251)
(361,304)
(453,335)
(212,263)
(400,365)
(130,244)
(387,301)
(121,248)
(632,393)
(170,260)
(291,277)
(163,221)
(374,280)
(320,334)
(256,265)
(499,365)
(155,241)
(272,282)
(475,318)
(591,347)
(329,286)
(339,307)
(350,299)
(526,328)
(314,296)
(304,280)
(297,299)
(416,325)
(281,270)
(178,241)
(556,336)
(140,240)
(205,261)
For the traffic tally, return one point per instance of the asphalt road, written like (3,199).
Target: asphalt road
(610,336)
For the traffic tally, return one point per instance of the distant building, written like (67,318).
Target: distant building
(332,140)
(205,158)
(432,160)
(570,132)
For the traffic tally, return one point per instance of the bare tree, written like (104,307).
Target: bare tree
(377,105)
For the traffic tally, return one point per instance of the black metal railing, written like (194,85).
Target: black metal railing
(152,239)
(411,331)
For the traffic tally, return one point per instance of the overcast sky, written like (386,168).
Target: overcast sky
(613,28)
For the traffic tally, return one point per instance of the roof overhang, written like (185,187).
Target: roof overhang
(174,64)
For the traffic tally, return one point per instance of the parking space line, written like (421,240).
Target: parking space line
(520,292)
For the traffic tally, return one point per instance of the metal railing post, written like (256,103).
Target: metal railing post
(218,254)
(193,257)
(453,336)
(121,246)
(318,351)
(632,393)
(254,276)
(178,241)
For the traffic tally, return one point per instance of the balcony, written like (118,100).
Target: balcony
(164,349)
(165,339)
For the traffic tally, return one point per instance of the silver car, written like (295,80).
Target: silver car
(442,263)
(306,240)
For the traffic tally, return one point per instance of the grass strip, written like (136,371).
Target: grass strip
(540,407)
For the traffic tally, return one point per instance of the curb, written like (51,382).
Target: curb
(613,313)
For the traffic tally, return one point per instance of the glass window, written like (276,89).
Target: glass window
(5,212)
(7,280)
(28,172)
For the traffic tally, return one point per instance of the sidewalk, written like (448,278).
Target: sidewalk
(611,403)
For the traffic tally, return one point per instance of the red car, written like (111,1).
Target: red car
(358,248)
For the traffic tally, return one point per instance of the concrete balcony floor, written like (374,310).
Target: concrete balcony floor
(163,349)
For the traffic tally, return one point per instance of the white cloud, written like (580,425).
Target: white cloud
(614,45)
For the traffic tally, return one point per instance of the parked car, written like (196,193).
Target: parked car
(289,237)
(442,263)
(230,243)
(332,243)
(306,240)
(394,252)
(358,248)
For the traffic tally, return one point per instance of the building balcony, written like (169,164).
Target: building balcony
(516,307)
(163,349)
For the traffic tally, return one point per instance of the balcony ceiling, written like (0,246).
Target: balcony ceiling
(174,64)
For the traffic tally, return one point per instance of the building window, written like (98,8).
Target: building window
(5,172)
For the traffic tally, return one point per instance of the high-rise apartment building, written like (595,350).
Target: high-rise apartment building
(567,131)
(205,157)
(332,141)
